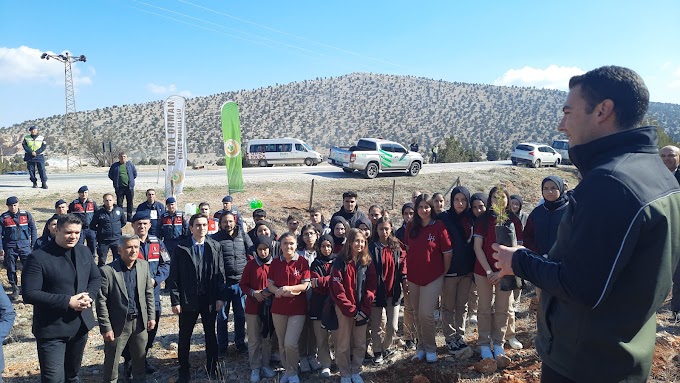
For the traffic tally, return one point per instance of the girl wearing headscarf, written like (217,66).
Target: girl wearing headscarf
(307,248)
(458,279)
(339,228)
(254,285)
(320,282)
(478,207)
(516,206)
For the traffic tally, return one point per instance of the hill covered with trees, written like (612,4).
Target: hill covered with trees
(335,111)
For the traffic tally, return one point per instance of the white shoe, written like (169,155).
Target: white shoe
(314,363)
(420,355)
(304,364)
(325,372)
(472,319)
(255,376)
(356,378)
(431,357)
(267,372)
(294,379)
(515,344)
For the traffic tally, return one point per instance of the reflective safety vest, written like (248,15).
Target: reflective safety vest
(213,226)
(15,228)
(34,143)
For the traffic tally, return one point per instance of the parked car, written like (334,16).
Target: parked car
(281,151)
(534,154)
(372,156)
(562,147)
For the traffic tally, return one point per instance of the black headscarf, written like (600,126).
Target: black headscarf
(319,255)
(334,222)
(561,200)
(478,196)
(457,219)
(365,221)
(264,240)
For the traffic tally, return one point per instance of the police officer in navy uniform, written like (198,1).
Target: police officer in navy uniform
(155,209)
(154,252)
(108,223)
(84,208)
(34,145)
(228,206)
(174,226)
(18,237)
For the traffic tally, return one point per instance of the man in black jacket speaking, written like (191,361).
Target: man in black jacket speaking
(612,264)
(61,281)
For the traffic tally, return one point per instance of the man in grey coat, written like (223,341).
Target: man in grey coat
(125,309)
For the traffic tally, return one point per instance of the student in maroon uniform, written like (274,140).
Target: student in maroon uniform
(307,347)
(478,206)
(288,280)
(428,258)
(254,286)
(494,304)
(320,272)
(353,286)
(339,228)
(389,259)
(439,203)
(375,212)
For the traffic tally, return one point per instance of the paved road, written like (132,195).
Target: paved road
(20,185)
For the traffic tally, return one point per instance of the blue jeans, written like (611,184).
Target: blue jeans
(236,300)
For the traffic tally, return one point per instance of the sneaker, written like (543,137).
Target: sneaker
(304,364)
(498,350)
(294,379)
(345,379)
(420,355)
(314,364)
(502,360)
(325,372)
(486,352)
(431,357)
(255,376)
(388,353)
(472,319)
(356,378)
(410,345)
(452,347)
(267,372)
(378,358)
(284,378)
(515,344)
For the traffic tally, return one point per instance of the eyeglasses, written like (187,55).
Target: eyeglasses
(310,234)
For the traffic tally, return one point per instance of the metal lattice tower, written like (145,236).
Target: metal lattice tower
(71,117)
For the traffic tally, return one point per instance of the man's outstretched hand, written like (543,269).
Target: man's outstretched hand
(503,256)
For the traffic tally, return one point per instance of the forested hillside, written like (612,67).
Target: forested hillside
(337,111)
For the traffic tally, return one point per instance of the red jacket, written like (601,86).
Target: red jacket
(343,286)
(254,278)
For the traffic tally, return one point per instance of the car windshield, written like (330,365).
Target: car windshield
(309,148)
(561,145)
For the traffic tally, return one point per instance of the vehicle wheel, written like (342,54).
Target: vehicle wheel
(262,163)
(350,171)
(414,169)
(309,162)
(371,170)
(270,165)
(557,163)
(514,162)
(537,164)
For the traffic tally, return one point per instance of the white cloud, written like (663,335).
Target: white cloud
(167,90)
(552,77)
(23,64)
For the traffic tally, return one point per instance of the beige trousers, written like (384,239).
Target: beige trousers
(350,345)
(259,349)
(424,300)
(323,344)
(382,333)
(288,329)
(493,312)
(455,295)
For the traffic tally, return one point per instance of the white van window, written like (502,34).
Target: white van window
(300,148)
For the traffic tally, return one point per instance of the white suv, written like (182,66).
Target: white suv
(536,155)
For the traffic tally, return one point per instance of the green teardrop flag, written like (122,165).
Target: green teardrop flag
(231,132)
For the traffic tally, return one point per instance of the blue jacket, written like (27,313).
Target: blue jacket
(114,173)
(18,230)
(159,209)
(154,252)
(6,321)
(108,224)
(173,228)
(83,210)
(611,267)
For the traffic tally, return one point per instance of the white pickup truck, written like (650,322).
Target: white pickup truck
(372,156)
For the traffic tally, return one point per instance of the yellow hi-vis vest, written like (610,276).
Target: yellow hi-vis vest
(34,143)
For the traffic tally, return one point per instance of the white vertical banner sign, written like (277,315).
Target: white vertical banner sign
(176,149)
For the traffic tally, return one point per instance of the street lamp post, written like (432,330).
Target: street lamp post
(70,118)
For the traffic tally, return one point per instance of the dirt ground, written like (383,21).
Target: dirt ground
(291,197)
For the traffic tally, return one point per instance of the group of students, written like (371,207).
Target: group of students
(361,268)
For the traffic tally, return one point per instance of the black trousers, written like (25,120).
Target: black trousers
(548,375)
(103,247)
(60,358)
(91,237)
(187,321)
(129,195)
(149,343)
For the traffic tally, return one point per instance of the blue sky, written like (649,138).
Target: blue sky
(139,51)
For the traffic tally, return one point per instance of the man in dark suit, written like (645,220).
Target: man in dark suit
(60,280)
(198,287)
(125,309)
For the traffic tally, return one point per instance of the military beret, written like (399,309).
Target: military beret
(12,200)
(227,199)
(170,200)
(140,215)
(60,202)
(83,189)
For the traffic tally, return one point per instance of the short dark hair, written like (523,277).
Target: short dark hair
(349,194)
(621,85)
(200,205)
(68,219)
(259,213)
(195,217)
